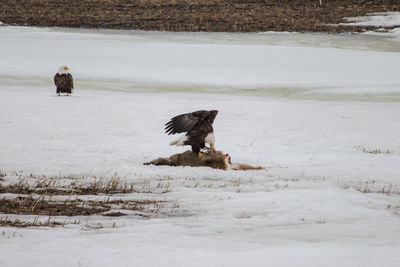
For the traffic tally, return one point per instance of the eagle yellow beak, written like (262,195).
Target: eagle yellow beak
(66,68)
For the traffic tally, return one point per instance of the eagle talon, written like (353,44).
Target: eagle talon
(200,155)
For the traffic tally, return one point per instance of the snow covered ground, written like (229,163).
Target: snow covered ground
(308,107)
(386,19)
(382,20)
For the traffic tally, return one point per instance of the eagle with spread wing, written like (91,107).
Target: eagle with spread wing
(63,81)
(198,128)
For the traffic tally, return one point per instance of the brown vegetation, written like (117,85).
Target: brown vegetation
(36,223)
(41,206)
(373,151)
(30,205)
(193,15)
(49,197)
(52,186)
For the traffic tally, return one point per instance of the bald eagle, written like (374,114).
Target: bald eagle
(198,128)
(63,81)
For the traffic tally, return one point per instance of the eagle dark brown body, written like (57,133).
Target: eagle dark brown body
(64,83)
(198,127)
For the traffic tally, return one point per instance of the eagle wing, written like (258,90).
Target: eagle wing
(184,122)
(70,81)
(56,79)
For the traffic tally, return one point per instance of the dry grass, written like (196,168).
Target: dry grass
(53,186)
(41,206)
(46,207)
(372,186)
(72,197)
(373,151)
(31,205)
(36,223)
(366,188)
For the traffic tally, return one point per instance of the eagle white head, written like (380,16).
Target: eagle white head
(63,69)
(210,139)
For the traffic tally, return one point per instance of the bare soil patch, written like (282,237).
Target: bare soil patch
(194,15)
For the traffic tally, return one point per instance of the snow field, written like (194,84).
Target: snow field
(307,209)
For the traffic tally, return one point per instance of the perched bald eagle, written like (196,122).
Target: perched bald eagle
(63,80)
(198,128)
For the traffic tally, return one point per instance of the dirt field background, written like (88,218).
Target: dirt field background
(193,15)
